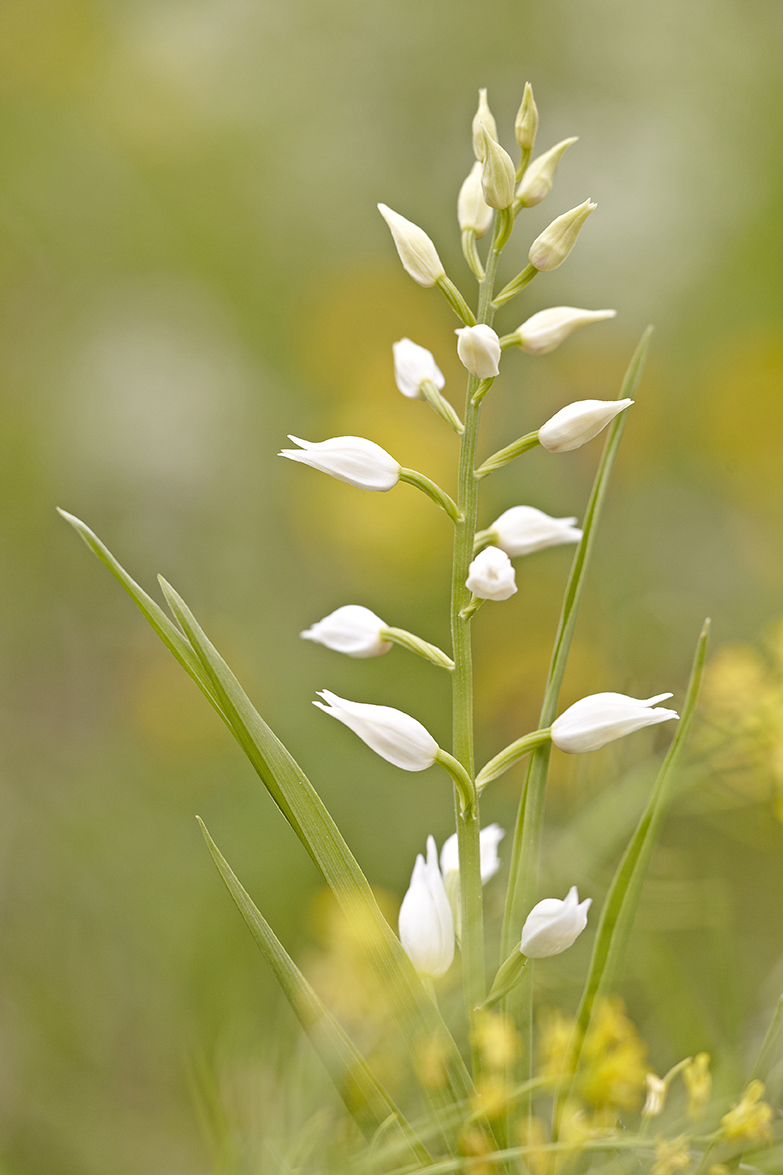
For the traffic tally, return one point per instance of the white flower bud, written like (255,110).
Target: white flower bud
(553,926)
(526,123)
(360,462)
(540,175)
(473,212)
(551,248)
(352,629)
(425,923)
(547,329)
(599,719)
(491,576)
(489,839)
(479,350)
(417,252)
(578,423)
(523,530)
(483,116)
(498,174)
(412,366)
(393,735)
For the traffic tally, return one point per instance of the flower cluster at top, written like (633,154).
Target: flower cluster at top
(494,190)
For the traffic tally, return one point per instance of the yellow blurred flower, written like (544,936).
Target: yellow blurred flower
(533,1133)
(698,1083)
(614,1059)
(496,1038)
(742,712)
(614,1069)
(671,1156)
(751,1117)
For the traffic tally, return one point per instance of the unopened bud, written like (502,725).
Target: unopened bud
(540,175)
(547,329)
(478,348)
(417,252)
(483,116)
(499,174)
(473,212)
(554,244)
(526,123)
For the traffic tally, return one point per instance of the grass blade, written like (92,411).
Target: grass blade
(364,1096)
(171,636)
(415,1012)
(418,1019)
(524,858)
(622,900)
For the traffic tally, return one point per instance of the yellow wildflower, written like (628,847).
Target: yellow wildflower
(532,1132)
(671,1156)
(698,1083)
(554,1034)
(751,1117)
(614,1059)
(719,1169)
(496,1038)
(490,1097)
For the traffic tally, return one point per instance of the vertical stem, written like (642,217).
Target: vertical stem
(468,826)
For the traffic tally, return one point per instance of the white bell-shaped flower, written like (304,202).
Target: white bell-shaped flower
(554,925)
(483,118)
(413,365)
(601,718)
(355,460)
(491,575)
(577,423)
(425,923)
(540,175)
(479,350)
(393,735)
(551,248)
(521,530)
(498,173)
(546,330)
(418,255)
(352,629)
(489,839)
(473,212)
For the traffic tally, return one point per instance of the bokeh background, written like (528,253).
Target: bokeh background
(191,266)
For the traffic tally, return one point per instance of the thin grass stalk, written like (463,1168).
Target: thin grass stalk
(364,1096)
(622,900)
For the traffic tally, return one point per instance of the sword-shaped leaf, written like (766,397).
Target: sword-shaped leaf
(365,1098)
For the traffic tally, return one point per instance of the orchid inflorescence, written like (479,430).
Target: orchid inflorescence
(478,1112)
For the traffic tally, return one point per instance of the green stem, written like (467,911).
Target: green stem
(433,491)
(468,826)
(510,453)
(510,755)
(414,644)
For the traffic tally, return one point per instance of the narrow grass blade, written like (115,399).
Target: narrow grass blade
(171,636)
(416,1013)
(622,901)
(364,1096)
(524,858)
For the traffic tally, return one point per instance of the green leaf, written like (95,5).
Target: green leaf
(524,859)
(364,1096)
(416,1014)
(622,900)
(417,1018)
(171,636)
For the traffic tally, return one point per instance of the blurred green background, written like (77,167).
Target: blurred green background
(191,266)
